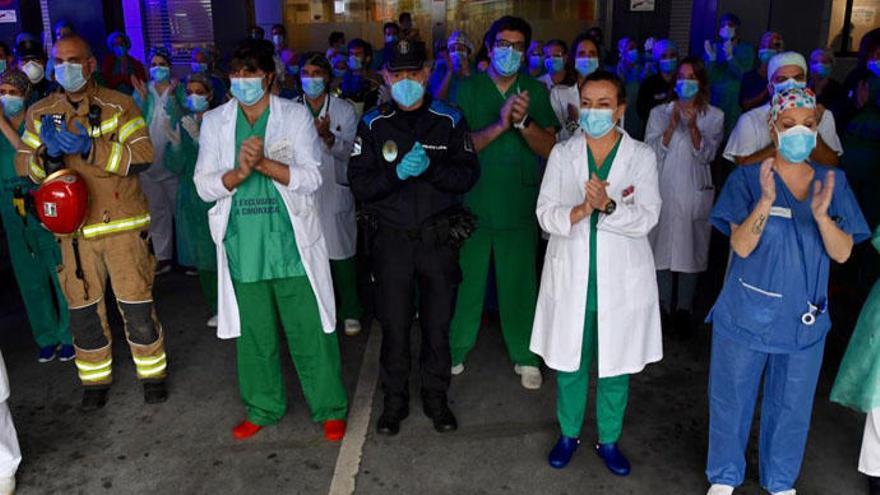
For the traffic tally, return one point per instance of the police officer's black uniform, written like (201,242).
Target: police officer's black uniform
(414,243)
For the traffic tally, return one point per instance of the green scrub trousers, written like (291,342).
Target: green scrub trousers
(348,303)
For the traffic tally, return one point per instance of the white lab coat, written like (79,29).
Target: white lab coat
(681,238)
(629,333)
(561,96)
(290,138)
(10,453)
(335,201)
(752,133)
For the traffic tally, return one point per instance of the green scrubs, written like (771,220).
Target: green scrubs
(612,393)
(195,247)
(35,257)
(348,302)
(725,80)
(271,287)
(504,201)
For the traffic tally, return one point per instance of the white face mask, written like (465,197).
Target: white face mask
(33,71)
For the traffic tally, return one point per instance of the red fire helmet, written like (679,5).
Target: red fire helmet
(62,201)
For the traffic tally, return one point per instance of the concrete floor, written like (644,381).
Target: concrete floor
(184,446)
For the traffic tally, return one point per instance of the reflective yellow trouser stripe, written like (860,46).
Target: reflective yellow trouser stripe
(94,372)
(150,366)
(122,225)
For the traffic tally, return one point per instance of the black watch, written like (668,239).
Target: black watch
(523,123)
(610,207)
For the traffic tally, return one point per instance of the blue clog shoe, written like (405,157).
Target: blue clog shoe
(614,458)
(563,451)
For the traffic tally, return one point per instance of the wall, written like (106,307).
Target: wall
(639,25)
(89,22)
(231,21)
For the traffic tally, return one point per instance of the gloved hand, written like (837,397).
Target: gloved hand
(649,47)
(172,133)
(49,136)
(711,52)
(728,50)
(75,143)
(414,163)
(191,126)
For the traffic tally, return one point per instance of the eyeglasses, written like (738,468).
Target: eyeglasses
(519,46)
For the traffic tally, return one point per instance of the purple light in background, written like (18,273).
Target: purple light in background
(134,28)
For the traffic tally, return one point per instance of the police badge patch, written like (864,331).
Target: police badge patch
(356,147)
(389,151)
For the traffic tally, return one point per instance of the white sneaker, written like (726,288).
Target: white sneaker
(786,492)
(720,490)
(458,369)
(352,327)
(212,322)
(7,485)
(530,376)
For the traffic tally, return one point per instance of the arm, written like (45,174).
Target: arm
(29,160)
(131,151)
(214,180)
(555,215)
(655,133)
(637,219)
(441,91)
(838,244)
(744,237)
(540,141)
(762,154)
(484,137)
(460,169)
(302,175)
(10,134)
(370,178)
(711,137)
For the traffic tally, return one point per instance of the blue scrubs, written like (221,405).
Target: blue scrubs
(758,332)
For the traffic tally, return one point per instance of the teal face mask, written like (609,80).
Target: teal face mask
(313,86)
(199,68)
(687,89)
(668,65)
(596,122)
(160,73)
(506,60)
(789,83)
(821,70)
(796,144)
(12,105)
(70,77)
(247,90)
(355,63)
(554,64)
(407,92)
(197,103)
(765,54)
(586,65)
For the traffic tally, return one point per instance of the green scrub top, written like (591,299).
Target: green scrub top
(260,242)
(592,296)
(506,194)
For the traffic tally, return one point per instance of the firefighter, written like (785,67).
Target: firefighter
(99,134)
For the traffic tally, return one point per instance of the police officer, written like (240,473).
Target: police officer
(412,161)
(100,134)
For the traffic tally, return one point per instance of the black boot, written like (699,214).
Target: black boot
(873,485)
(155,392)
(389,422)
(94,398)
(439,412)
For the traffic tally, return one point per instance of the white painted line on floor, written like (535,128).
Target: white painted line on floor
(348,463)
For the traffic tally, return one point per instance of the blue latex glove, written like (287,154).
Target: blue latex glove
(49,136)
(75,143)
(414,163)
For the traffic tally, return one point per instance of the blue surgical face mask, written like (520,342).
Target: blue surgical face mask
(293,70)
(12,105)
(506,60)
(796,144)
(196,102)
(247,90)
(874,67)
(821,70)
(687,89)
(160,73)
(120,50)
(339,72)
(596,122)
(554,64)
(632,56)
(407,92)
(198,68)
(355,63)
(313,86)
(390,39)
(790,83)
(536,62)
(586,65)
(459,58)
(70,77)
(765,54)
(668,65)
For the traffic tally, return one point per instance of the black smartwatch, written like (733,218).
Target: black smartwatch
(610,207)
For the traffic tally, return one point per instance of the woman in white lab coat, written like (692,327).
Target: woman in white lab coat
(598,299)
(259,160)
(685,133)
(336,123)
(10,454)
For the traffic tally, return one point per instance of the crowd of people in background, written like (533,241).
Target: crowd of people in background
(571,186)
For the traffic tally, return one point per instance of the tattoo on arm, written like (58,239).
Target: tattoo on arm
(758,226)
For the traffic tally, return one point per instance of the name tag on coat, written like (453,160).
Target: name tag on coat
(779,211)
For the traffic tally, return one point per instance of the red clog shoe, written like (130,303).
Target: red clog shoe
(245,430)
(334,429)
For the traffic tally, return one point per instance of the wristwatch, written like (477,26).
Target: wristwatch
(523,123)
(610,207)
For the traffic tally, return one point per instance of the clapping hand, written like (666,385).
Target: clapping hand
(414,163)
(75,143)
(249,156)
(597,195)
(822,194)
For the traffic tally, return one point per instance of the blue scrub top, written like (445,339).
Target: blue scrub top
(765,294)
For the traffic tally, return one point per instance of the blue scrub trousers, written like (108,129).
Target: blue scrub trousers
(789,387)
